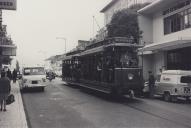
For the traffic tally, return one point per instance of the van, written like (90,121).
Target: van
(172,84)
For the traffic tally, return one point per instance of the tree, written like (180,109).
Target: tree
(124,23)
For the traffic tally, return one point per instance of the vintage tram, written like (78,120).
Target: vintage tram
(109,66)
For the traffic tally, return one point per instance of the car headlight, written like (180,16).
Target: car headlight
(130,76)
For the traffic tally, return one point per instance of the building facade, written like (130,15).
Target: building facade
(7,48)
(110,9)
(116,5)
(166,26)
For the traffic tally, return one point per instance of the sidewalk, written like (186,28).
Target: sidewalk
(14,117)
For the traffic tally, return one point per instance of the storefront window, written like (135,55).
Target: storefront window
(179,59)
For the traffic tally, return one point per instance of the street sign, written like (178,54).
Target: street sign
(8,4)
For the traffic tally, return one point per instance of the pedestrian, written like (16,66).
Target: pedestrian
(5,89)
(151,84)
(9,74)
(14,76)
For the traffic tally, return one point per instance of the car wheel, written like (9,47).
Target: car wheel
(167,96)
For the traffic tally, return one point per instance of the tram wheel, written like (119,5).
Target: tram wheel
(115,94)
(188,99)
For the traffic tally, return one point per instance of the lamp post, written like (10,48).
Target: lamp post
(62,38)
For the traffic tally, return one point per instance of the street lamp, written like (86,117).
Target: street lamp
(62,38)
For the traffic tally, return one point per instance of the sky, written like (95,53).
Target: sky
(36,24)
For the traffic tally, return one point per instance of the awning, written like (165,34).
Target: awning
(156,6)
(176,44)
(125,45)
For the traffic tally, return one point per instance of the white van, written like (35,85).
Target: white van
(172,84)
(33,77)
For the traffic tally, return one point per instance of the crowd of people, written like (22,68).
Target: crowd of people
(5,86)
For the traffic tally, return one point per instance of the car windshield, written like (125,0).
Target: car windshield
(34,71)
(185,79)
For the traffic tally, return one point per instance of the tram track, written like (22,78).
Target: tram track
(153,110)
(178,119)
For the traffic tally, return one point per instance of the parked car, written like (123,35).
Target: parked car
(33,77)
(173,84)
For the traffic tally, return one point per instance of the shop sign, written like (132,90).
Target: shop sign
(8,4)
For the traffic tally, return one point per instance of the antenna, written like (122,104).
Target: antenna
(96,22)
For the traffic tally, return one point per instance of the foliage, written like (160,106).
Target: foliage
(124,23)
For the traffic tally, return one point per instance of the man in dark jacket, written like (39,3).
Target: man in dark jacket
(151,84)
(5,89)
(9,74)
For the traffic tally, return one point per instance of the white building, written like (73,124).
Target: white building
(166,26)
(116,5)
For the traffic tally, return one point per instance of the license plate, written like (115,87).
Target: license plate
(34,82)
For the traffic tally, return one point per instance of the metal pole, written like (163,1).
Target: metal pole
(65,45)
(1,19)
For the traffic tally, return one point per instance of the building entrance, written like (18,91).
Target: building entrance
(179,59)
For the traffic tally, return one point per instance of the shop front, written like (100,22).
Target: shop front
(174,55)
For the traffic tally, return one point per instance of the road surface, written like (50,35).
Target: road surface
(61,106)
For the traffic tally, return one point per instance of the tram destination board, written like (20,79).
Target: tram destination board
(123,40)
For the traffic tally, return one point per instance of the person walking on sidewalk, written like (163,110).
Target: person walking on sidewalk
(14,76)
(9,74)
(5,89)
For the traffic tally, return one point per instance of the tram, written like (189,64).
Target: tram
(109,66)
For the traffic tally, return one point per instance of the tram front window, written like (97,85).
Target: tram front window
(128,59)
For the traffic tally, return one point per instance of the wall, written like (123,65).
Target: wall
(146,25)
(119,5)
(158,31)
(159,62)
(148,65)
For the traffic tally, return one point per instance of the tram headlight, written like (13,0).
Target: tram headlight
(130,76)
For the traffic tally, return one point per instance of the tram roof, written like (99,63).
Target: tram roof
(101,48)
(70,56)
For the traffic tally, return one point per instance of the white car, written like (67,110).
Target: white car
(33,77)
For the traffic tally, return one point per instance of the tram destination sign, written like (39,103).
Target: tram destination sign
(8,4)
(123,40)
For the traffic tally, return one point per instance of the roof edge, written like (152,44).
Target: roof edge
(108,5)
(150,6)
